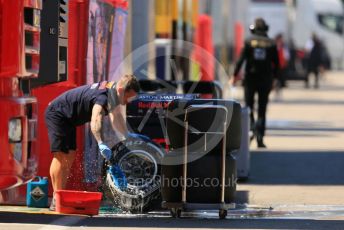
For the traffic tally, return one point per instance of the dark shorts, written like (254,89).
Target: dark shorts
(62,134)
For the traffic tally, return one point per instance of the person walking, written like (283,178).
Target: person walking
(283,59)
(262,65)
(316,61)
(88,103)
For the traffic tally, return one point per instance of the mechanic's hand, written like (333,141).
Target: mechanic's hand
(275,84)
(105,151)
(137,136)
(233,80)
(118,177)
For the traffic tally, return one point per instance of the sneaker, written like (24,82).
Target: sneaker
(260,142)
(53,205)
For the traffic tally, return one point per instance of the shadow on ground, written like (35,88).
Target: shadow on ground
(297,168)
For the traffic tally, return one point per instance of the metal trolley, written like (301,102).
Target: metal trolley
(221,119)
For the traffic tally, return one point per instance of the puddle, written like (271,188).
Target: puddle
(242,212)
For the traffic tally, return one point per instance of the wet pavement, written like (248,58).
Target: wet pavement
(249,212)
(238,220)
(296,183)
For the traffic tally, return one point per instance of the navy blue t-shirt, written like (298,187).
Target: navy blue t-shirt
(76,104)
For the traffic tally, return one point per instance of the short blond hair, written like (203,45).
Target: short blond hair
(129,82)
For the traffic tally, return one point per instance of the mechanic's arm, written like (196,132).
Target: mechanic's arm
(276,64)
(240,62)
(96,122)
(96,128)
(118,122)
(242,58)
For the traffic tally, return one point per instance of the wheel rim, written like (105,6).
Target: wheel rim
(140,168)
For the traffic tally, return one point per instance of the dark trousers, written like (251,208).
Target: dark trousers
(262,88)
(316,76)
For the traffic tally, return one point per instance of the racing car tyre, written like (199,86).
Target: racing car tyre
(140,160)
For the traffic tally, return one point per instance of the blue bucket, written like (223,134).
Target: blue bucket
(37,192)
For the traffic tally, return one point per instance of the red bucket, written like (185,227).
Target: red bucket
(77,202)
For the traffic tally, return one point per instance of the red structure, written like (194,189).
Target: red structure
(78,15)
(204,49)
(77,49)
(19,61)
(25,90)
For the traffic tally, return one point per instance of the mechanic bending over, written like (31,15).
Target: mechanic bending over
(88,103)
